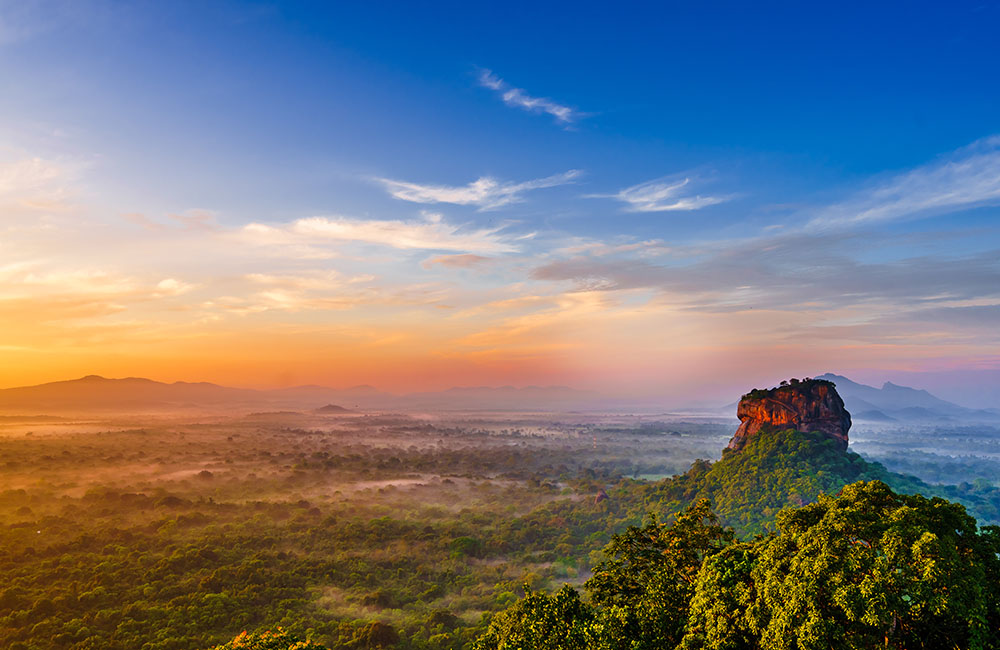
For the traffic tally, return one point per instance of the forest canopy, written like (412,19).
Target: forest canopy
(867,568)
(420,537)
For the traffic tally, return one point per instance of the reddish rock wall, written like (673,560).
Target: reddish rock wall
(812,405)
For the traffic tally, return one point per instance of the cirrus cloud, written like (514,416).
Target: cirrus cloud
(669,194)
(433,233)
(966,178)
(518,98)
(461,261)
(486,193)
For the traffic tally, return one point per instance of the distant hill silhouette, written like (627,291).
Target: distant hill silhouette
(894,402)
(95,393)
(98,393)
(874,416)
(332,409)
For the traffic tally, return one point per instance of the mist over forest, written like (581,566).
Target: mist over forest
(360,529)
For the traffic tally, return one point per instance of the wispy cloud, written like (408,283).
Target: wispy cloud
(315,279)
(486,193)
(75,281)
(65,302)
(309,290)
(662,195)
(190,220)
(33,185)
(461,261)
(319,290)
(647,248)
(830,275)
(172,287)
(968,178)
(433,233)
(518,98)
(792,273)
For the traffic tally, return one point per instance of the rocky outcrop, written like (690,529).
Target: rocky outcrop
(809,405)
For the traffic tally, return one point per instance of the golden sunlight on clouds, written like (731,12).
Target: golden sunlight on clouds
(423,302)
(430,234)
(337,329)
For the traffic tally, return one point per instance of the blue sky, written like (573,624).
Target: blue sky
(503,193)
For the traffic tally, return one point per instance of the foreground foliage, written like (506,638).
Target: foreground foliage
(638,596)
(868,568)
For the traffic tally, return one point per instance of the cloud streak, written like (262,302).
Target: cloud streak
(319,290)
(790,273)
(486,193)
(968,178)
(518,98)
(431,234)
(461,261)
(662,195)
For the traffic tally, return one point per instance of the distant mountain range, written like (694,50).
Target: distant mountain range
(900,403)
(94,393)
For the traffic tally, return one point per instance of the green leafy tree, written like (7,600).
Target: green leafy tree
(541,622)
(639,594)
(869,568)
(645,585)
(723,607)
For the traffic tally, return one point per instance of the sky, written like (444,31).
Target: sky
(676,200)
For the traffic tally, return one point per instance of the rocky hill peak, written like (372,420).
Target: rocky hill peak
(807,405)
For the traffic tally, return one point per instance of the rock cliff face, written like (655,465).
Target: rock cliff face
(811,405)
